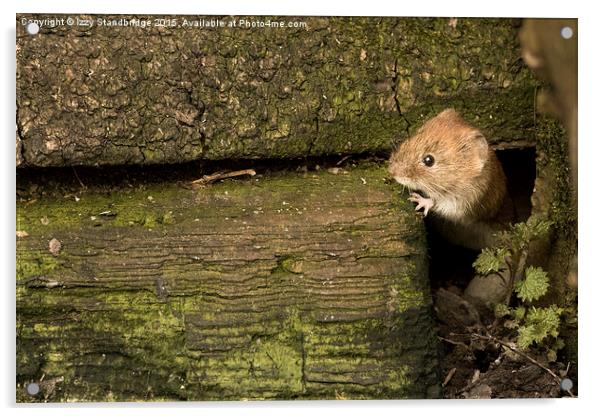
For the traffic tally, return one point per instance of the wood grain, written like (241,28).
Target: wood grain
(286,286)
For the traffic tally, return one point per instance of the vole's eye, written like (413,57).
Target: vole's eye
(428,160)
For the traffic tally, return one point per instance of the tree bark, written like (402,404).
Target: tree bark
(126,95)
(291,285)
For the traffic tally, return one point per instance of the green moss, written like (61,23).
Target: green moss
(555,200)
(149,221)
(554,166)
(129,320)
(410,297)
(40,265)
(119,339)
(338,74)
(350,116)
(275,363)
(167,218)
(287,264)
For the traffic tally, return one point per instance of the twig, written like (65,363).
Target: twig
(516,272)
(454,342)
(448,377)
(78,179)
(342,160)
(207,179)
(519,352)
(491,338)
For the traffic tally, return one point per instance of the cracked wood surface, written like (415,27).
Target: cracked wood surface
(291,285)
(121,95)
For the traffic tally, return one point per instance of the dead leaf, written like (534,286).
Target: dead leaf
(54,246)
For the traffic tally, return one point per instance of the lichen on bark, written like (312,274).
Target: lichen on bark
(122,95)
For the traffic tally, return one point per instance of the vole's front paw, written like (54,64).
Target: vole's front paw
(426,203)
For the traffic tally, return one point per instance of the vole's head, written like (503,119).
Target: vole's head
(442,159)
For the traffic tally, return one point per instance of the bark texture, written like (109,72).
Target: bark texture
(126,95)
(307,285)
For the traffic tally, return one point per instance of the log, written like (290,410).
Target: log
(106,95)
(279,286)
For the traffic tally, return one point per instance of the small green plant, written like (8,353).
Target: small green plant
(491,260)
(533,325)
(533,286)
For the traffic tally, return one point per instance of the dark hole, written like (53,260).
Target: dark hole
(483,358)
(519,167)
(451,265)
(34,182)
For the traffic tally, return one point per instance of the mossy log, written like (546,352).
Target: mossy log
(103,95)
(292,285)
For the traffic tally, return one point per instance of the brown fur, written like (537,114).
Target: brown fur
(466,182)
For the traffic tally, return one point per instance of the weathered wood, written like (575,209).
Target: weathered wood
(298,285)
(126,95)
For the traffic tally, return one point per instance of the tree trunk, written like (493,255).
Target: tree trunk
(104,95)
(291,285)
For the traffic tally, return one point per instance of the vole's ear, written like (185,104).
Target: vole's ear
(481,147)
(449,113)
